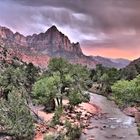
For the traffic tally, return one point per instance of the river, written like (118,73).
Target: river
(114,125)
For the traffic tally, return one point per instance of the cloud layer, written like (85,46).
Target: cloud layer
(97,24)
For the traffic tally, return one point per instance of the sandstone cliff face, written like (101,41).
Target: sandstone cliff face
(39,48)
(53,42)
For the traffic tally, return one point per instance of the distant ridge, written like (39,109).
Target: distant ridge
(109,62)
(132,70)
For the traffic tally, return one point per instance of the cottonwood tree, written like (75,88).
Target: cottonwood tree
(66,80)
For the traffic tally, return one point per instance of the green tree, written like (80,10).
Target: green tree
(31,74)
(11,78)
(63,79)
(15,117)
(99,71)
(46,90)
(61,67)
(127,92)
(105,83)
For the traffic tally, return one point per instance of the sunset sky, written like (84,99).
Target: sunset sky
(109,28)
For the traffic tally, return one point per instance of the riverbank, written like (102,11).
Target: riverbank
(132,111)
(80,115)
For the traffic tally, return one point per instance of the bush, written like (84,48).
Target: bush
(76,98)
(55,137)
(126,92)
(16,118)
(57,115)
(49,137)
(73,132)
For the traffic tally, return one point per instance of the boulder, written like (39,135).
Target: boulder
(130,111)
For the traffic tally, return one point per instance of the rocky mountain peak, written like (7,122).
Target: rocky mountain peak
(5,32)
(53,28)
(39,48)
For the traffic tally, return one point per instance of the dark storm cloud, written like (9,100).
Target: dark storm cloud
(106,15)
(101,23)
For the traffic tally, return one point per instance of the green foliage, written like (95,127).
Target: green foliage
(80,75)
(58,65)
(31,74)
(105,78)
(81,82)
(12,77)
(15,117)
(63,80)
(16,77)
(112,74)
(131,71)
(73,131)
(46,89)
(49,137)
(55,136)
(127,92)
(76,98)
(57,114)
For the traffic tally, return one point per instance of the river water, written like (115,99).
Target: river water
(113,125)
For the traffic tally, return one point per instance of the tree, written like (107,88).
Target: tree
(31,74)
(81,76)
(75,98)
(15,117)
(127,92)
(45,91)
(64,80)
(99,70)
(11,78)
(105,85)
(61,67)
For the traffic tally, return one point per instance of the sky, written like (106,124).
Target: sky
(109,28)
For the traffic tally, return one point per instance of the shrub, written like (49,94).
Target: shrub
(49,137)
(76,97)
(73,131)
(55,136)
(16,118)
(126,92)
(57,115)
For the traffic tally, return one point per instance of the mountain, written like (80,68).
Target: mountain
(131,70)
(109,62)
(39,48)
